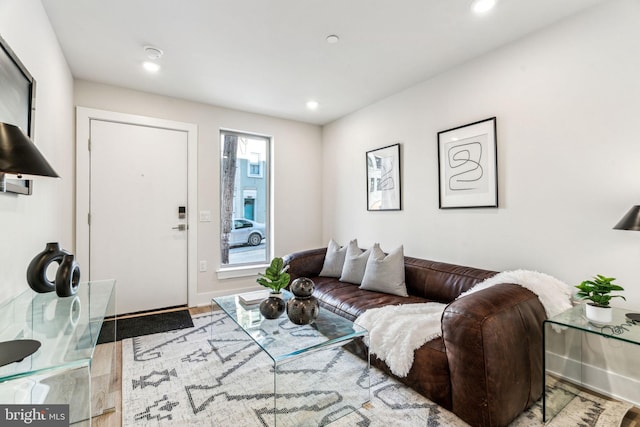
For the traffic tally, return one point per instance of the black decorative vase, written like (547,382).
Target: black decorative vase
(67,276)
(304,307)
(273,306)
(37,270)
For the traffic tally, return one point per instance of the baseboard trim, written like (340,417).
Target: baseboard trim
(600,380)
(204,298)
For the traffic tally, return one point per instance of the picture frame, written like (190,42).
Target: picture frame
(468,166)
(17,103)
(384,179)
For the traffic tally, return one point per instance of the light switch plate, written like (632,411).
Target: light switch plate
(205,216)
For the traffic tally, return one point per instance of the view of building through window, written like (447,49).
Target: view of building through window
(244,198)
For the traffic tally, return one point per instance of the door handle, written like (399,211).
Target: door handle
(180,227)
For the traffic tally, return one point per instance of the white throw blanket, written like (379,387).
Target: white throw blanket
(554,295)
(395,332)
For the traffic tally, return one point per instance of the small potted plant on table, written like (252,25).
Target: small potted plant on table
(275,278)
(598,291)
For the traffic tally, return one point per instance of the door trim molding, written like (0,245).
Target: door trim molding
(83,125)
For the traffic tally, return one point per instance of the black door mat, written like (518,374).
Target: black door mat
(145,325)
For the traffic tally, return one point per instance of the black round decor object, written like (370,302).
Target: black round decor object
(302,287)
(67,277)
(304,307)
(272,307)
(16,350)
(37,270)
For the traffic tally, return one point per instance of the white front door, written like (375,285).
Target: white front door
(137,234)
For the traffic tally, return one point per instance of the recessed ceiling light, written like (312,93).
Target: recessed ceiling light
(333,39)
(153,52)
(312,105)
(482,6)
(152,67)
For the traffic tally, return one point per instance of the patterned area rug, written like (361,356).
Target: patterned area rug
(215,375)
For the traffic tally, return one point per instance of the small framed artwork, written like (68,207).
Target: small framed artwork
(468,166)
(383,179)
(17,101)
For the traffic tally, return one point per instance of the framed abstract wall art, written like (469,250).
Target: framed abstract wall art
(383,179)
(468,166)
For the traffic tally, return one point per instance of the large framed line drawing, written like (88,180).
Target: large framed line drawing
(383,179)
(17,103)
(468,166)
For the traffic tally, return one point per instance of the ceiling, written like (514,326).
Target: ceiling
(271,56)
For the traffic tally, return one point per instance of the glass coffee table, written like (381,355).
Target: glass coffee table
(294,348)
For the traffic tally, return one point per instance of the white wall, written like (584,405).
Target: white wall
(27,223)
(297,171)
(566,101)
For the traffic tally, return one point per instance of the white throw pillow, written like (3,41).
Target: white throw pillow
(355,263)
(385,273)
(334,259)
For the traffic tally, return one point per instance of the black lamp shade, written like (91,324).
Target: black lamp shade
(631,221)
(18,155)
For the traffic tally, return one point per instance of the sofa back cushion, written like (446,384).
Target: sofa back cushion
(439,281)
(334,259)
(355,264)
(385,273)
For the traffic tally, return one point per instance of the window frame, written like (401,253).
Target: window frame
(239,269)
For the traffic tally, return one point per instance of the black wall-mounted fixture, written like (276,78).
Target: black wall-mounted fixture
(631,221)
(19,155)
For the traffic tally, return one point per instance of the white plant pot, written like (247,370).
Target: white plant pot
(599,316)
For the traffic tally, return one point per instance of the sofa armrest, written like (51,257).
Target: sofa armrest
(493,341)
(305,263)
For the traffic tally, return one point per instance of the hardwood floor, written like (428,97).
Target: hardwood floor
(632,419)
(112,393)
(113,418)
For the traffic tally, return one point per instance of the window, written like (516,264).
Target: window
(244,199)
(255,166)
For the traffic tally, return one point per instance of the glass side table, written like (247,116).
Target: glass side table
(565,338)
(59,372)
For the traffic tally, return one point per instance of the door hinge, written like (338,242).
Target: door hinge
(89,144)
(89,218)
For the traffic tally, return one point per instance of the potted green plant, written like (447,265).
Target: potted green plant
(598,291)
(275,278)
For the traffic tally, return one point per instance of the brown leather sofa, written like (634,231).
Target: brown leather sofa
(487,366)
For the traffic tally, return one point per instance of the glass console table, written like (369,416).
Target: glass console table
(309,346)
(59,372)
(567,340)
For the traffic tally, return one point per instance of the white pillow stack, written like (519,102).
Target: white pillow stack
(371,269)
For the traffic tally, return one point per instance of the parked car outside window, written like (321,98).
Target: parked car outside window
(246,232)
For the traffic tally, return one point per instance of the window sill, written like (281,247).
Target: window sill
(233,272)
